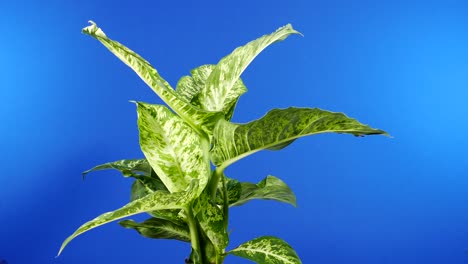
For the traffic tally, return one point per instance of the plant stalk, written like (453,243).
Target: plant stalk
(194,236)
(213,185)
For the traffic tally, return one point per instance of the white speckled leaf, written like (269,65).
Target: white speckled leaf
(211,219)
(270,188)
(267,250)
(276,130)
(220,93)
(199,119)
(190,86)
(175,151)
(155,201)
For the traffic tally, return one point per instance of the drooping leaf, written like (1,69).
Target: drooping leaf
(199,119)
(211,219)
(126,167)
(267,250)
(159,228)
(270,188)
(220,93)
(155,201)
(277,129)
(175,151)
(190,87)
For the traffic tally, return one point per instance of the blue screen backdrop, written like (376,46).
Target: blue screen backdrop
(401,66)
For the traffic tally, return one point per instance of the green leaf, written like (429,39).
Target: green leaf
(277,129)
(175,151)
(233,188)
(190,87)
(270,188)
(220,91)
(145,185)
(211,219)
(127,167)
(197,118)
(155,201)
(159,228)
(267,250)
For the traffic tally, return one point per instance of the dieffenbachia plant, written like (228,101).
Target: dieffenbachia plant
(186,197)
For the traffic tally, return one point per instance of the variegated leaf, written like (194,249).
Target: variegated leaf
(233,188)
(190,87)
(199,119)
(277,129)
(143,186)
(220,93)
(267,250)
(175,151)
(270,188)
(159,228)
(155,201)
(126,167)
(211,219)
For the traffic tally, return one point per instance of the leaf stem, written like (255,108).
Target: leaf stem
(225,203)
(194,237)
(213,185)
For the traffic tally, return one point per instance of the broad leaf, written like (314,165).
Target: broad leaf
(220,93)
(175,151)
(190,87)
(145,185)
(277,129)
(270,188)
(159,228)
(199,119)
(267,250)
(211,219)
(127,167)
(233,188)
(155,201)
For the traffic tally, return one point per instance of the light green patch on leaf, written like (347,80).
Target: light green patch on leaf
(211,219)
(175,151)
(270,188)
(159,228)
(267,250)
(155,201)
(200,120)
(220,91)
(277,129)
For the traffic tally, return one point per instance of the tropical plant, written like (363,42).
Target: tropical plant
(175,184)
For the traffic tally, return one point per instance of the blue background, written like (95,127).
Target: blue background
(397,65)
